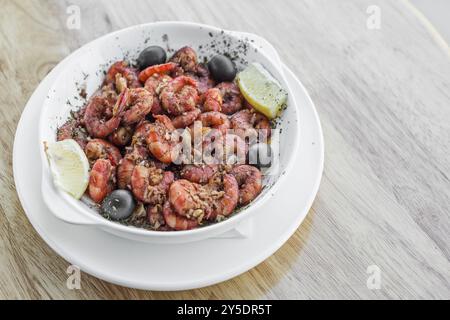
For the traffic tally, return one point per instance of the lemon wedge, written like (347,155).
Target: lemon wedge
(262,90)
(69,166)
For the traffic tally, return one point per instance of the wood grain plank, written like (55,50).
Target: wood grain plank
(382,96)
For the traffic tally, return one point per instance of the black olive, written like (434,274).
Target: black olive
(118,205)
(222,68)
(151,56)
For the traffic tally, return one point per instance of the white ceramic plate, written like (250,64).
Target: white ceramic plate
(157,267)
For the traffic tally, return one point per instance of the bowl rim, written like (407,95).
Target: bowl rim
(227,224)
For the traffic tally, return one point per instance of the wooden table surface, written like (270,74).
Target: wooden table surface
(383,96)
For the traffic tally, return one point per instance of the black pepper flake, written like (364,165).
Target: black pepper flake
(83,93)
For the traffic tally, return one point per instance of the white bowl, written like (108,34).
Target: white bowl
(84,68)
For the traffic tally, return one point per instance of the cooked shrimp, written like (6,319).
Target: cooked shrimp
(249,179)
(109,93)
(124,172)
(150,184)
(203,77)
(213,100)
(157,164)
(157,69)
(121,136)
(72,129)
(155,217)
(225,195)
(216,120)
(157,108)
(154,85)
(260,122)
(101,180)
(243,122)
(208,144)
(186,58)
(141,133)
(231,96)
(176,221)
(179,95)
(190,199)
(136,155)
(159,139)
(121,70)
(137,104)
(101,149)
(99,119)
(185,119)
(218,148)
(198,173)
(200,74)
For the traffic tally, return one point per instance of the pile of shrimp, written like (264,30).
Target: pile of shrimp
(125,130)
